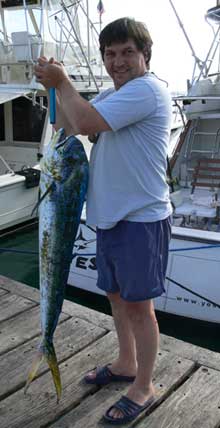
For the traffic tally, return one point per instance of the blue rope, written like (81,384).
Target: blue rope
(194,248)
(12,250)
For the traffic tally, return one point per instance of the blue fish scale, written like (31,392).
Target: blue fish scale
(65,166)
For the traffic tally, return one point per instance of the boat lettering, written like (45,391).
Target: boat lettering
(86,263)
(195,302)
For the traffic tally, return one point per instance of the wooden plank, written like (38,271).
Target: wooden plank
(73,309)
(11,305)
(3,292)
(70,337)
(20,289)
(209,160)
(169,372)
(38,407)
(200,355)
(195,404)
(208,176)
(204,184)
(20,329)
(205,168)
(97,318)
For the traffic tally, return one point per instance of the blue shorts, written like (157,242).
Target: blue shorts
(132,259)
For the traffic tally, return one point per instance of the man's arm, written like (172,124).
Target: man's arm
(80,113)
(72,108)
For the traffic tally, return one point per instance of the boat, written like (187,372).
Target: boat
(192,288)
(29,28)
(53,28)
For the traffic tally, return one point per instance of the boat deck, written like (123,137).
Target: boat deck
(187,378)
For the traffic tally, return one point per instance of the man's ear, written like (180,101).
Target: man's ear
(146,55)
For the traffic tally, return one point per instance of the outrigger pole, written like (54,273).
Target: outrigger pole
(198,62)
(65,8)
(202,65)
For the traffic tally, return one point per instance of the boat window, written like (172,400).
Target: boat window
(2,123)
(28,119)
(16,3)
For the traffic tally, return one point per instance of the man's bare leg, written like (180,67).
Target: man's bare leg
(126,363)
(144,325)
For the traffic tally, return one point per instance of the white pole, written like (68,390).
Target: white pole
(27,28)
(100,29)
(88,39)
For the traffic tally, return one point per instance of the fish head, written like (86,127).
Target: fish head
(61,156)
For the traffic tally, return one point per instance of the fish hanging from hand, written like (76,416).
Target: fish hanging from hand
(63,186)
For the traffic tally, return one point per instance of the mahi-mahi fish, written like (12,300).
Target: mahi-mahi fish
(63,186)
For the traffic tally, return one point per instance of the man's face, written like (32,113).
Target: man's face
(124,62)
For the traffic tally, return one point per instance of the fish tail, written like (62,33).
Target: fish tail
(46,352)
(34,369)
(51,359)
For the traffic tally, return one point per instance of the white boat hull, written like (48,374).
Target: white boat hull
(193,264)
(18,201)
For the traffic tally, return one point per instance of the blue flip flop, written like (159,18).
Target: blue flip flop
(128,408)
(104,376)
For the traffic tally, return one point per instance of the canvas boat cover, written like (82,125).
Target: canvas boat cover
(7,95)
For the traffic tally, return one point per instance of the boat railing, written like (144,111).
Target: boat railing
(9,170)
(26,47)
(212,150)
(22,47)
(59,29)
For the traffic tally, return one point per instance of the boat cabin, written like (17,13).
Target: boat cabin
(22,131)
(195,162)
(196,168)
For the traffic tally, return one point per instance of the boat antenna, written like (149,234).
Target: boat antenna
(197,60)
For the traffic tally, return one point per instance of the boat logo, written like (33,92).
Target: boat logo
(84,251)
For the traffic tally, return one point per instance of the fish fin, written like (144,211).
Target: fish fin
(34,369)
(46,352)
(40,199)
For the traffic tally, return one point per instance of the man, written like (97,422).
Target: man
(128,199)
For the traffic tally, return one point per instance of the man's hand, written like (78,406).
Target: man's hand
(78,115)
(50,73)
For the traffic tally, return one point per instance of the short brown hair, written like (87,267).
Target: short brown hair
(121,30)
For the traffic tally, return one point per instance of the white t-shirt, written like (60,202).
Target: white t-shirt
(127,178)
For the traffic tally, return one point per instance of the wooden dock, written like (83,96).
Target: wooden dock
(187,378)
